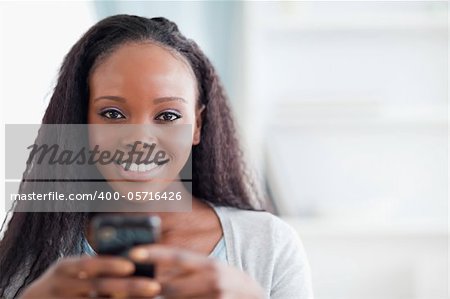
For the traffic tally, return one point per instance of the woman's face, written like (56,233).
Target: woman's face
(144,96)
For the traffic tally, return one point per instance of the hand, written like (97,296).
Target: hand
(186,274)
(91,277)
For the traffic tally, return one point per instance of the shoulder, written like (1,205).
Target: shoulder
(269,249)
(259,234)
(257,223)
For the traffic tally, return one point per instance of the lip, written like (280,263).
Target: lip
(130,175)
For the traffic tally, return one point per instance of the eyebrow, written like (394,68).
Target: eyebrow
(155,101)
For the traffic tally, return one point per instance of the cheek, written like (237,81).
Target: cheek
(102,140)
(191,119)
(177,142)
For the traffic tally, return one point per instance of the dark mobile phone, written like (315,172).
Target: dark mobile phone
(117,234)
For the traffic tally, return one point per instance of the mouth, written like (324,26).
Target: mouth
(135,171)
(135,167)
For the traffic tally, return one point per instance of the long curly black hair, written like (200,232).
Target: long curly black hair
(33,241)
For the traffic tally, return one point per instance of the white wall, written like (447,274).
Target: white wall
(34,37)
(357,261)
(347,111)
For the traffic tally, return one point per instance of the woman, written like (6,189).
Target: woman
(224,248)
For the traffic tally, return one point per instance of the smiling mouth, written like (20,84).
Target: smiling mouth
(138,168)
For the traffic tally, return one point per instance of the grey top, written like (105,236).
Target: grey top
(220,251)
(268,249)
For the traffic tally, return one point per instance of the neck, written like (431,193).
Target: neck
(173,221)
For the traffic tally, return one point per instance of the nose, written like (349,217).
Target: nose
(140,136)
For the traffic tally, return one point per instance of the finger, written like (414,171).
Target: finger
(71,287)
(193,285)
(133,287)
(166,255)
(210,296)
(116,287)
(87,267)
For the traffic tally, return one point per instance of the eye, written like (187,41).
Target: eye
(168,116)
(112,114)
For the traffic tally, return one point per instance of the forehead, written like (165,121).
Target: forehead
(143,69)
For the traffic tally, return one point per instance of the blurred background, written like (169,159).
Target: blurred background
(342,108)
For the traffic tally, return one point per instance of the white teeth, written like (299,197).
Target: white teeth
(139,167)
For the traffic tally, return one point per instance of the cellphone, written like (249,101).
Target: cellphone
(117,234)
